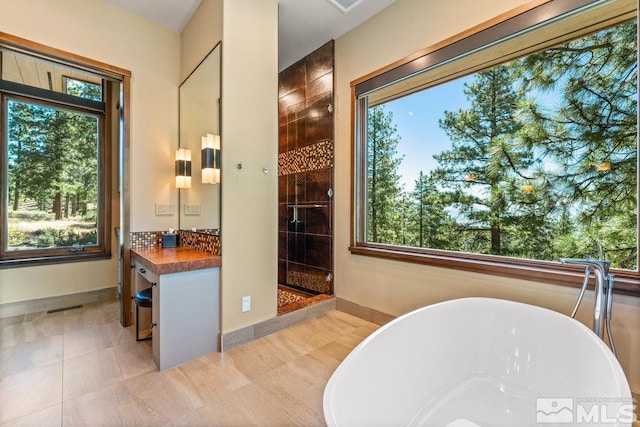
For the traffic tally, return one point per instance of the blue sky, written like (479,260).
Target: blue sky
(416,118)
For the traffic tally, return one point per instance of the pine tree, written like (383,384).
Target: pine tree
(488,159)
(383,181)
(432,224)
(592,136)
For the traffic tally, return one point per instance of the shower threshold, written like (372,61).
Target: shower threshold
(290,299)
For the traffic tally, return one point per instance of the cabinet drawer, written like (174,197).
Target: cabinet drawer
(148,275)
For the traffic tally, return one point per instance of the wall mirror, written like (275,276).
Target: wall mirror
(200,118)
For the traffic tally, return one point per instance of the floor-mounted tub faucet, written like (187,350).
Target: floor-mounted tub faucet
(603,293)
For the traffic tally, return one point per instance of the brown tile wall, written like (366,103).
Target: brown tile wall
(305,173)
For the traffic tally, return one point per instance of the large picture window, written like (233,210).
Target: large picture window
(52,176)
(57,125)
(507,157)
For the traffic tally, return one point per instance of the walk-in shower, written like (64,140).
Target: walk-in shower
(305,175)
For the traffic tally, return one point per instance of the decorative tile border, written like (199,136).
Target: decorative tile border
(312,157)
(319,176)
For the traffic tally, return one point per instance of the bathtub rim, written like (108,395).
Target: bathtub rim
(329,414)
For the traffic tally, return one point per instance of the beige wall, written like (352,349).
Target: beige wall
(200,35)
(102,32)
(249,136)
(249,33)
(395,287)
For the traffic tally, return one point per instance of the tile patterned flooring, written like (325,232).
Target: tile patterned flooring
(81,368)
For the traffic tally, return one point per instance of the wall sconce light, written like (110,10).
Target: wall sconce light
(183,168)
(210,156)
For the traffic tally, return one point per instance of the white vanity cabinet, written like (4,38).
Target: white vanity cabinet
(186,316)
(185,308)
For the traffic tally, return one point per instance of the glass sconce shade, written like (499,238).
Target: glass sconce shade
(183,168)
(210,156)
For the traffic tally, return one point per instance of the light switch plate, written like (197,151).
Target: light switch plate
(246,304)
(191,209)
(164,209)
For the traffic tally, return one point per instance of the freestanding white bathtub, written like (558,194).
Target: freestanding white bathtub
(479,362)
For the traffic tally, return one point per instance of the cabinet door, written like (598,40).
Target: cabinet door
(141,278)
(155,321)
(189,315)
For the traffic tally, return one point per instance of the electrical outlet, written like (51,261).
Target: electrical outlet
(246,304)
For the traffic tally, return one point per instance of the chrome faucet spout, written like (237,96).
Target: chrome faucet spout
(600,269)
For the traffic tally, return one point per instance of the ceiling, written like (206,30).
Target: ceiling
(304,25)
(172,14)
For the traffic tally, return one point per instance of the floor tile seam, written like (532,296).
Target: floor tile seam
(11,422)
(93,389)
(282,408)
(115,354)
(3,366)
(252,379)
(15,346)
(66,359)
(26,341)
(184,388)
(8,321)
(30,369)
(295,352)
(62,399)
(328,355)
(72,325)
(244,377)
(88,328)
(184,396)
(62,412)
(283,366)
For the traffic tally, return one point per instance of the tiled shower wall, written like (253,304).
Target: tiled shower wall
(305,173)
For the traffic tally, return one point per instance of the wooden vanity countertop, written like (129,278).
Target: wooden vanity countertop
(174,260)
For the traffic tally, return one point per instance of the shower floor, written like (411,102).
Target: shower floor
(292,299)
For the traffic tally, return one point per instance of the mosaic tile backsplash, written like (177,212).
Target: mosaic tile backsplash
(145,239)
(205,242)
(200,241)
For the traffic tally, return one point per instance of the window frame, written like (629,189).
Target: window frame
(490,33)
(106,115)
(65,84)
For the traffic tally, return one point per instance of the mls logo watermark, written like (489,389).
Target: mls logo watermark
(569,410)
(554,410)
